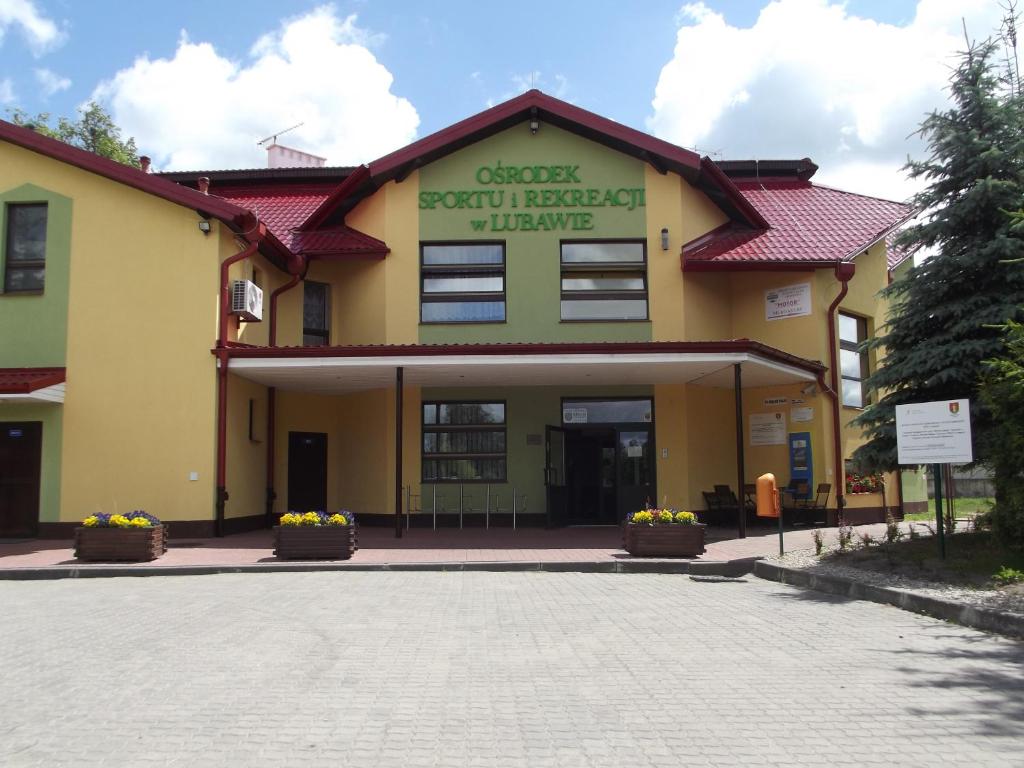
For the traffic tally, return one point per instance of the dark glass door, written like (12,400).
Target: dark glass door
(555,475)
(21,452)
(307,471)
(635,469)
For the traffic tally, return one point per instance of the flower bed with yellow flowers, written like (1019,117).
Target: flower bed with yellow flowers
(663,533)
(132,537)
(315,535)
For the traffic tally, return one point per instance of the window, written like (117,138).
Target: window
(606,411)
(25,249)
(462,283)
(316,314)
(604,280)
(463,442)
(853,361)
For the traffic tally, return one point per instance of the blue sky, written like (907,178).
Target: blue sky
(843,83)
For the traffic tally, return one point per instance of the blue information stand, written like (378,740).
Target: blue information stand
(801,465)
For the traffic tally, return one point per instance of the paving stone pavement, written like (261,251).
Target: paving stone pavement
(491,669)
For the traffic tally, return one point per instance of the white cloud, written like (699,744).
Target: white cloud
(6,91)
(810,79)
(50,82)
(41,33)
(199,109)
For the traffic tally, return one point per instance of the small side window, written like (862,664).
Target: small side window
(316,314)
(25,248)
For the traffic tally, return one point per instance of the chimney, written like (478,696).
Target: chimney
(204,184)
(144,162)
(279,156)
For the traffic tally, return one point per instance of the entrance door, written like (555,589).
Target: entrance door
(307,471)
(635,468)
(555,475)
(21,453)
(590,472)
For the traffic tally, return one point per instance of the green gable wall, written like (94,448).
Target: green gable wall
(35,326)
(532,268)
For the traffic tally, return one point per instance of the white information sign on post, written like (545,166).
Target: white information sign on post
(934,433)
(791,301)
(768,428)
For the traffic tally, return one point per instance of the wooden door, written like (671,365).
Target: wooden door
(21,455)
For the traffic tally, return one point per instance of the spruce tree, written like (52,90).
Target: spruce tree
(944,317)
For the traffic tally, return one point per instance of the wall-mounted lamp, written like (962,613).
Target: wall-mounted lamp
(664,238)
(204,226)
(534,121)
(810,389)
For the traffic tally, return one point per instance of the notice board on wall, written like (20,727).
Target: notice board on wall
(768,428)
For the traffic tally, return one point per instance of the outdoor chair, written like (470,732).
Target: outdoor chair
(722,507)
(794,501)
(814,510)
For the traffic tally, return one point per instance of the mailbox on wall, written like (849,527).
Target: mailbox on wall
(801,465)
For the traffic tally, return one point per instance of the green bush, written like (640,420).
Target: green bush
(1003,392)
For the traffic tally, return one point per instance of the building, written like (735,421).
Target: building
(535,308)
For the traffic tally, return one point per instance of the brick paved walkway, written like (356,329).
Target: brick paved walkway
(485,669)
(379,545)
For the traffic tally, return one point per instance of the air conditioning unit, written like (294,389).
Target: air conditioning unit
(247,300)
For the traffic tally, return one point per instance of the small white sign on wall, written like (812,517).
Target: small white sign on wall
(768,428)
(790,301)
(802,414)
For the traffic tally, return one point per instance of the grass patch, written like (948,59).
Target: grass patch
(974,559)
(962,507)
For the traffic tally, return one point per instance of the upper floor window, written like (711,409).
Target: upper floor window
(462,282)
(853,361)
(604,280)
(25,247)
(316,314)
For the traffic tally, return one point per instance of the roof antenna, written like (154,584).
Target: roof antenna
(273,137)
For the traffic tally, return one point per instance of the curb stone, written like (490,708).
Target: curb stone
(730,568)
(958,613)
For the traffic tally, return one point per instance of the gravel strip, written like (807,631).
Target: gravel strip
(994,599)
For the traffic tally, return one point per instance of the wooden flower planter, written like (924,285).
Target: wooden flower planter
(664,540)
(314,542)
(124,544)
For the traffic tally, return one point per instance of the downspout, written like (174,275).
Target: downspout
(272,391)
(296,278)
(271,417)
(225,296)
(221,493)
(844,273)
(222,418)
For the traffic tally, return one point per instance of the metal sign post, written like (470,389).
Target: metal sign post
(939,528)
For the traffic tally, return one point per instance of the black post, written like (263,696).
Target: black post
(937,471)
(740,472)
(399,372)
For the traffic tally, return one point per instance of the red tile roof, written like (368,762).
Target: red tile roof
(281,209)
(810,224)
(17,381)
(339,241)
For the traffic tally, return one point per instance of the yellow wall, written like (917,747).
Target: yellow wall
(270,277)
(688,214)
(671,430)
(246,475)
(360,445)
(711,441)
(384,295)
(802,336)
(139,408)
